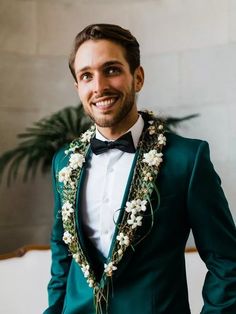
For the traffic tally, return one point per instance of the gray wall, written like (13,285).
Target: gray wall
(188,51)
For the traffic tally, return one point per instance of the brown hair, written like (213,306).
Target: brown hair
(111,32)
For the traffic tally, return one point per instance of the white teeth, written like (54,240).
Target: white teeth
(105,103)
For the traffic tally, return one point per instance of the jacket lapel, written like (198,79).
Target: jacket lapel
(124,200)
(78,217)
(94,257)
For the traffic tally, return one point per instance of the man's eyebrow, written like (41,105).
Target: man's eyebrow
(112,62)
(83,69)
(104,65)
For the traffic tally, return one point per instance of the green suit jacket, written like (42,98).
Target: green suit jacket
(152,278)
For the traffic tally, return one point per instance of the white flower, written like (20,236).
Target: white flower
(76,160)
(108,268)
(64,175)
(150,112)
(76,256)
(85,270)
(135,221)
(71,149)
(86,136)
(148,177)
(135,206)
(131,207)
(151,122)
(120,252)
(153,158)
(161,139)
(123,239)
(90,282)
(141,205)
(67,210)
(67,237)
(160,127)
(152,130)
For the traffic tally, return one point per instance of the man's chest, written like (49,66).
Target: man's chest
(103,190)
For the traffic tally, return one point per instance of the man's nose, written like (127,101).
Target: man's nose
(100,84)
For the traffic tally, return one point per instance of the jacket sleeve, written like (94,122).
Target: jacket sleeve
(214,233)
(60,256)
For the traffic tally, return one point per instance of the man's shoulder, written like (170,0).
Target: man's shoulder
(183,147)
(179,141)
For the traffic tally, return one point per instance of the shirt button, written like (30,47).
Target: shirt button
(106,200)
(106,231)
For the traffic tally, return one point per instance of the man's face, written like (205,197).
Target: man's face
(105,85)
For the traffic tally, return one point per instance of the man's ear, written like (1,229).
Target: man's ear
(138,78)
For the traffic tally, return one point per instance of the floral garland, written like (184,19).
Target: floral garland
(142,186)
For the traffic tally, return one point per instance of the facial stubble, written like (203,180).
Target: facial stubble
(121,114)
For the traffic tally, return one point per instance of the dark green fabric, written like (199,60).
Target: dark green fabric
(152,279)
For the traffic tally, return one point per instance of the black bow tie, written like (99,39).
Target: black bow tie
(124,143)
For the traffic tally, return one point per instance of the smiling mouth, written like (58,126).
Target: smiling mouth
(106,103)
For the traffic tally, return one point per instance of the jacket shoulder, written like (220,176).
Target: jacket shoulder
(181,154)
(183,147)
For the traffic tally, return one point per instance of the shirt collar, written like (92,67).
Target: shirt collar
(136,131)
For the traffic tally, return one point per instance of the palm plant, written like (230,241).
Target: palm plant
(45,137)
(42,140)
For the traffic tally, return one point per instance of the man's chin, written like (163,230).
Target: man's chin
(104,123)
(103,119)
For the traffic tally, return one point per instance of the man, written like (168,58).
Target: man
(124,208)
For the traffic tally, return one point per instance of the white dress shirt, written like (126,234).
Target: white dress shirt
(103,189)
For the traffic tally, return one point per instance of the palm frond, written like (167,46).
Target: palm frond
(40,142)
(172,123)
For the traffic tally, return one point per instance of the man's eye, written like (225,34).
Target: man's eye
(113,71)
(85,76)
